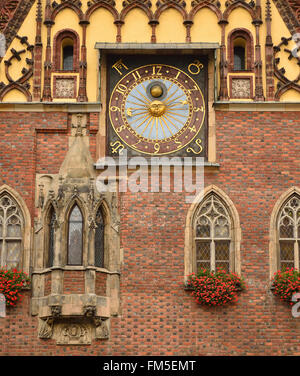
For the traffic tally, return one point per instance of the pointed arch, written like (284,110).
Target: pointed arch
(99,241)
(239,4)
(232,237)
(101,4)
(15,86)
(50,220)
(75,236)
(66,5)
(165,6)
(101,235)
(138,5)
(198,6)
(25,225)
(274,234)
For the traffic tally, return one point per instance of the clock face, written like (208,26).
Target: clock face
(156,109)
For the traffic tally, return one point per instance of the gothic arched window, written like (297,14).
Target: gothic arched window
(99,239)
(289,234)
(51,220)
(11,232)
(75,236)
(212,235)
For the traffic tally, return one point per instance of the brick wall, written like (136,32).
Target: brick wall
(259,158)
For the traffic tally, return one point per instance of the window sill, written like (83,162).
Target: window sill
(189,288)
(74,268)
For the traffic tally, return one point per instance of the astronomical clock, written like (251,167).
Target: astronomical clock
(157,105)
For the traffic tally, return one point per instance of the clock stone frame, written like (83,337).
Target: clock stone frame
(197,63)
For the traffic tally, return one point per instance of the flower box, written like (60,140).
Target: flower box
(214,288)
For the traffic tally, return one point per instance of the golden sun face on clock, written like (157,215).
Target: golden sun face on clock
(156,109)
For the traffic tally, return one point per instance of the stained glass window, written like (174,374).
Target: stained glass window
(212,235)
(11,229)
(75,238)
(99,239)
(289,234)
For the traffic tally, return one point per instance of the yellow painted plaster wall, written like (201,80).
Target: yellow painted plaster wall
(170,28)
(101,29)
(205,27)
(136,29)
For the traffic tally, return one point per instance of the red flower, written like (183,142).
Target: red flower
(286,283)
(11,283)
(215,288)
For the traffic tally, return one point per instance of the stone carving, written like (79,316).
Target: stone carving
(74,334)
(89,310)
(65,87)
(56,310)
(41,196)
(241,88)
(74,331)
(46,328)
(102,331)
(78,127)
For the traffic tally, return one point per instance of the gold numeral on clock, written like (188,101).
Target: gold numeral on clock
(136,75)
(134,145)
(192,129)
(156,70)
(179,143)
(194,88)
(156,148)
(121,89)
(195,67)
(177,75)
(114,109)
(117,147)
(198,143)
(197,109)
(121,128)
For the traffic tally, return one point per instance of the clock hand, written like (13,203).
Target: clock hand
(162,118)
(175,113)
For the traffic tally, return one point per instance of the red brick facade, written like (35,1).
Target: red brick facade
(258,153)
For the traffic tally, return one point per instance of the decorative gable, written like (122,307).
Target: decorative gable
(12,15)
